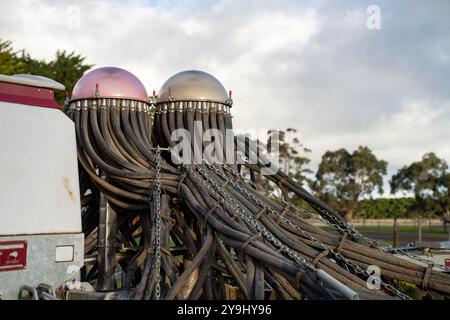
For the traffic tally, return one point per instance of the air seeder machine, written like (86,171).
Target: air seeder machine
(97,201)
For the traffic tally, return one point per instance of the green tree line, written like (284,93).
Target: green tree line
(352,183)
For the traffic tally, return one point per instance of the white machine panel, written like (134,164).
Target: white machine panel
(39,189)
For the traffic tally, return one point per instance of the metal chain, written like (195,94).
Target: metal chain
(339,225)
(337,255)
(242,212)
(254,224)
(157,198)
(344,227)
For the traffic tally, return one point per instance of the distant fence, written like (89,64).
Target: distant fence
(400,222)
(388,222)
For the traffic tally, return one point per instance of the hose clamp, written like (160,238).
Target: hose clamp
(84,105)
(140,106)
(93,104)
(180,106)
(124,105)
(204,107)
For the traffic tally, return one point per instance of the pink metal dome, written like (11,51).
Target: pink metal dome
(109,82)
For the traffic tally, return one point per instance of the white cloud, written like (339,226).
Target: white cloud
(402,137)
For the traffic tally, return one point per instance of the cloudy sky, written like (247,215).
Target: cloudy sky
(310,65)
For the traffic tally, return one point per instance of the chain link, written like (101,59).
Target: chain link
(344,227)
(242,212)
(337,255)
(254,224)
(251,221)
(339,225)
(157,198)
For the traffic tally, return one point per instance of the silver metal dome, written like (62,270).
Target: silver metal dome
(193,85)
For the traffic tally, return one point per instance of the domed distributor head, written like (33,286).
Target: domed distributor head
(193,85)
(109,83)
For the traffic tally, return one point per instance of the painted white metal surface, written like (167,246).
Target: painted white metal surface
(64,254)
(39,189)
(32,80)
